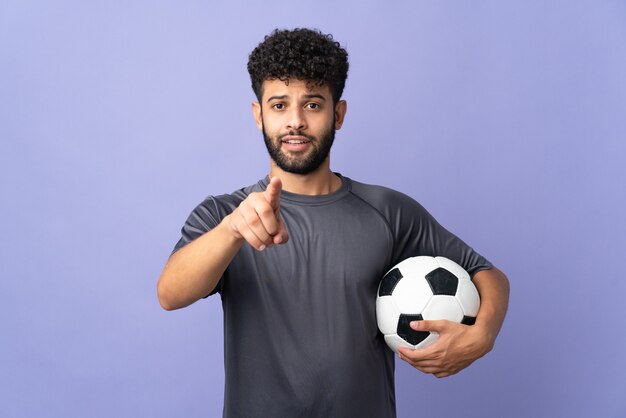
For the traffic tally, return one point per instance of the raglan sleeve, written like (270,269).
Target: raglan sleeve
(417,232)
(202,219)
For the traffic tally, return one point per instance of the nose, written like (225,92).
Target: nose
(296,120)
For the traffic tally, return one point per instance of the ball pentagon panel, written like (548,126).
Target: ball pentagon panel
(453,267)
(442,282)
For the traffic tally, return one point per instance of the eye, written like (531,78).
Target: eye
(312,106)
(278,106)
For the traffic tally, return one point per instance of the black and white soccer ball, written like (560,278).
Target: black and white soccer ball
(421,288)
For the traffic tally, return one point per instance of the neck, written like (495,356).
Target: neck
(320,182)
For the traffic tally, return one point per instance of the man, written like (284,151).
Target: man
(297,258)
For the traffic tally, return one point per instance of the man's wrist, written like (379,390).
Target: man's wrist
(229,232)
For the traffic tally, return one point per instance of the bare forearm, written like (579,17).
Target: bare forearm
(193,271)
(493,287)
(459,345)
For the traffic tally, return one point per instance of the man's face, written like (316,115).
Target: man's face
(298,123)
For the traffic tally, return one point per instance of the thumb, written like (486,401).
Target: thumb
(272,192)
(429,325)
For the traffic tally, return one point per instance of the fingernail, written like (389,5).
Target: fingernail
(262,247)
(415,324)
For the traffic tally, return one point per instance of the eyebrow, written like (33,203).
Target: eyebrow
(306,96)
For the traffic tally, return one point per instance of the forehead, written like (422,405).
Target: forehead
(294,88)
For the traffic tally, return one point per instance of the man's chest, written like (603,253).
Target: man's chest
(326,249)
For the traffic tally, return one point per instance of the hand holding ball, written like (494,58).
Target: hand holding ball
(423,288)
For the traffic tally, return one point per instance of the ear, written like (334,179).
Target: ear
(258,116)
(340,113)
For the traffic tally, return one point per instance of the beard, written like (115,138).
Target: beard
(305,162)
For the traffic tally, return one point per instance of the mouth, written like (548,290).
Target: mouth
(294,140)
(295,143)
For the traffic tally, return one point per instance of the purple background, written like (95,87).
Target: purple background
(506,120)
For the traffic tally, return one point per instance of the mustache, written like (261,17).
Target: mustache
(296,133)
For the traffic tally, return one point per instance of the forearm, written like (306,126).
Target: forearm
(193,271)
(493,287)
(459,345)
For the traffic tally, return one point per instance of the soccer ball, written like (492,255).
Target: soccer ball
(421,288)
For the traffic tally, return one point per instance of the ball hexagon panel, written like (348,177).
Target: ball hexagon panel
(468,297)
(417,266)
(387,315)
(443,307)
(393,341)
(411,294)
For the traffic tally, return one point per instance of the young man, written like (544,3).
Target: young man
(297,258)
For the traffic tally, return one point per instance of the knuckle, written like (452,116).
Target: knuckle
(246,203)
(250,238)
(251,199)
(265,210)
(251,219)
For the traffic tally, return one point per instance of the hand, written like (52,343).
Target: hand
(457,347)
(257,219)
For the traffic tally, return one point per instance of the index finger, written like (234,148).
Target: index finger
(272,192)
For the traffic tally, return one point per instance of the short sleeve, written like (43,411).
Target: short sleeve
(419,233)
(201,220)
(415,231)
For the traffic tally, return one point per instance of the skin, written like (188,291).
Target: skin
(192,272)
(460,345)
(292,107)
(302,113)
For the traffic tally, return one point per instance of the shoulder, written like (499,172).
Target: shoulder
(218,206)
(382,198)
(210,212)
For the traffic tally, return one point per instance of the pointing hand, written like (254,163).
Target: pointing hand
(257,220)
(272,193)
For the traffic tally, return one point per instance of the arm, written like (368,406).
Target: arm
(193,271)
(493,288)
(460,345)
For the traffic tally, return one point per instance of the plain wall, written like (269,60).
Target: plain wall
(505,119)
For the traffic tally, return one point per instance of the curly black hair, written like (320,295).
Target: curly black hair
(303,54)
